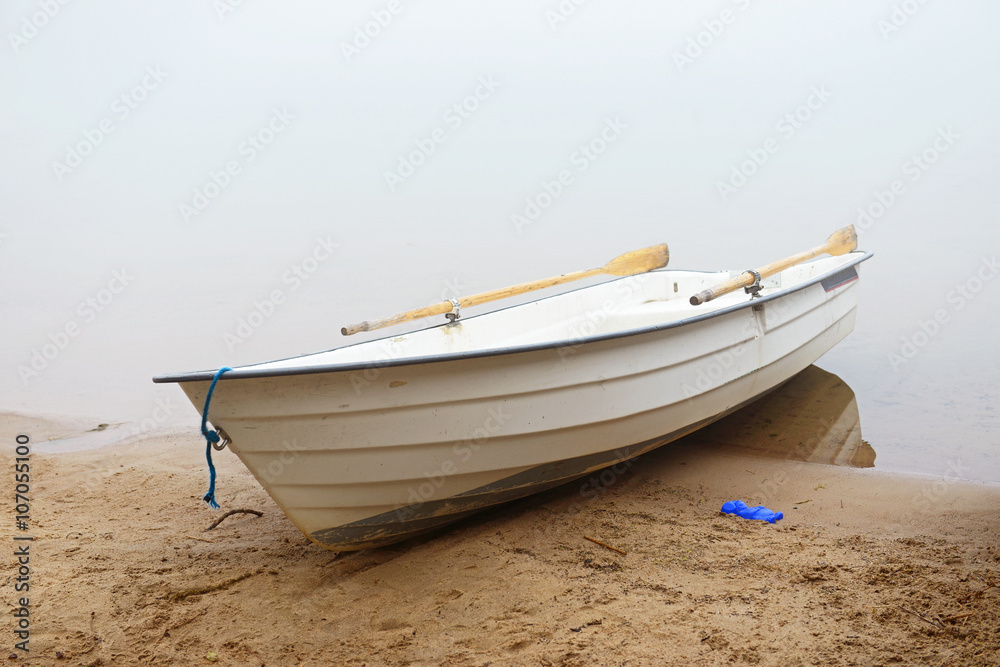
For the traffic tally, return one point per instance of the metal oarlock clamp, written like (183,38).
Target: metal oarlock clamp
(456,306)
(224,440)
(753,289)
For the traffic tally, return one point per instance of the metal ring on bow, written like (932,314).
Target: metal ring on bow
(224,440)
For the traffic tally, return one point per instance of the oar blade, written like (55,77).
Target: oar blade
(842,241)
(638,261)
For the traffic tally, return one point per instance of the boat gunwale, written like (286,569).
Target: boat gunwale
(247,372)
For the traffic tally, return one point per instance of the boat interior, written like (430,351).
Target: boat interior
(619,305)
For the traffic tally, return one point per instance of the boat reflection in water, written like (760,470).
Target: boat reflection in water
(812,417)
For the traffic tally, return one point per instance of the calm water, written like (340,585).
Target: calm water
(199,230)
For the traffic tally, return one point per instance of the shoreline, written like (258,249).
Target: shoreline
(123,571)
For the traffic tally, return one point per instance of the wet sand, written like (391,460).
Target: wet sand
(865,568)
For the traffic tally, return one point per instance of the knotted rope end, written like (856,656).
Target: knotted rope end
(209,500)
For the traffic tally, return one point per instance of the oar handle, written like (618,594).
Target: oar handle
(842,241)
(352,329)
(371,325)
(745,279)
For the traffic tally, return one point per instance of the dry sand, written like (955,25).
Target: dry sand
(866,569)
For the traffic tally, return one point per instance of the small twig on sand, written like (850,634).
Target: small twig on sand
(606,546)
(958,617)
(936,624)
(229,514)
(978,594)
(166,633)
(200,539)
(180,595)
(183,623)
(94,638)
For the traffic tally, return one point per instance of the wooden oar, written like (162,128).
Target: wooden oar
(840,242)
(629,264)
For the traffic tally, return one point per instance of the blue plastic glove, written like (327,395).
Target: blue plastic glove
(759,513)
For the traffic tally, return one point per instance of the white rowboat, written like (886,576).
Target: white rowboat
(375,442)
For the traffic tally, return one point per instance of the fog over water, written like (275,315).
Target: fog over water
(167,169)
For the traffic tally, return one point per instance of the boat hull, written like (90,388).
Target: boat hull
(365,456)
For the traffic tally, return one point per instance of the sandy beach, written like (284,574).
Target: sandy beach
(193,186)
(866,568)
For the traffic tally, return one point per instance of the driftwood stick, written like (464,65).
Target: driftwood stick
(183,623)
(958,617)
(229,514)
(923,618)
(166,633)
(606,546)
(221,586)
(977,594)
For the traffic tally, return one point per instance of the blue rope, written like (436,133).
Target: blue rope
(210,437)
